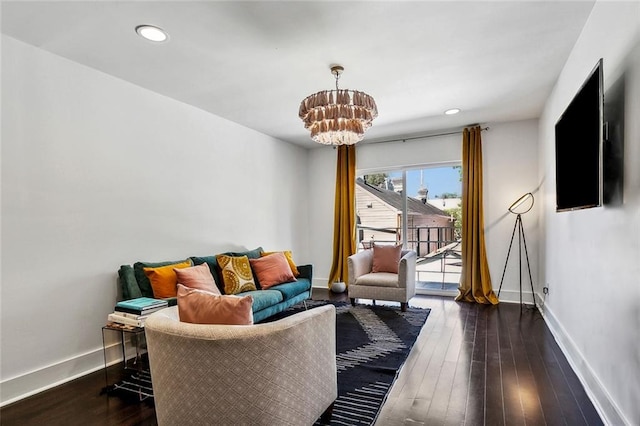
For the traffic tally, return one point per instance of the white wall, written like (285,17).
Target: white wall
(322,178)
(96,173)
(510,169)
(591,258)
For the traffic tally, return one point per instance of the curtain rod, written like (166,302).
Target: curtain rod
(423,136)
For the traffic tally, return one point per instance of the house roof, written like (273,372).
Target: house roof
(394,199)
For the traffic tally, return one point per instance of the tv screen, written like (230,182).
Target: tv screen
(579,147)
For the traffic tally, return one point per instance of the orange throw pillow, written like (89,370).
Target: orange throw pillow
(386,258)
(197,277)
(203,307)
(271,270)
(163,279)
(289,256)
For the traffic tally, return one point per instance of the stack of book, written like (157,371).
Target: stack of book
(135,311)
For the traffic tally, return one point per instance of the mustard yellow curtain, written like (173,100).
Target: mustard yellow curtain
(475,282)
(344,221)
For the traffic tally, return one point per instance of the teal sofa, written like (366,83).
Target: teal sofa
(134,283)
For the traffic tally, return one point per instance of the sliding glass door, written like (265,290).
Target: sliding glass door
(421,209)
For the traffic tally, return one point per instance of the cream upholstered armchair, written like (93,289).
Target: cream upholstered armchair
(365,284)
(277,373)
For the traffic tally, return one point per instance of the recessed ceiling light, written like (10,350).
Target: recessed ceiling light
(452,111)
(152,33)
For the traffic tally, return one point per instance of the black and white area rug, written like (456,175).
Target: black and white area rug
(372,344)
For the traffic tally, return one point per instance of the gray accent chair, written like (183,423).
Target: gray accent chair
(276,373)
(365,284)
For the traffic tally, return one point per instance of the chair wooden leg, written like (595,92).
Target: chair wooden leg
(403,306)
(353,301)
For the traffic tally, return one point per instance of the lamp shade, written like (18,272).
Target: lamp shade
(523,204)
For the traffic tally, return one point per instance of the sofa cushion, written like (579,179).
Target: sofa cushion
(262,299)
(141,278)
(251,254)
(378,279)
(198,276)
(214,268)
(272,270)
(289,256)
(212,261)
(386,258)
(236,274)
(292,289)
(260,316)
(203,307)
(163,279)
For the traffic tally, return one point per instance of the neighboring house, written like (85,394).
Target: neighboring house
(379,213)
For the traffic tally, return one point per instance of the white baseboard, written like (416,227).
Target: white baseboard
(33,382)
(513,296)
(602,401)
(436,293)
(320,283)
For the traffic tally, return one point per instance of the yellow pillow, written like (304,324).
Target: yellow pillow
(289,256)
(236,274)
(164,280)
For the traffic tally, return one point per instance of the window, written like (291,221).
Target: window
(429,216)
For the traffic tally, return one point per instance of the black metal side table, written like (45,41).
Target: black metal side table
(136,377)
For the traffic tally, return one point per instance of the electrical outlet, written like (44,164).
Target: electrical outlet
(545,290)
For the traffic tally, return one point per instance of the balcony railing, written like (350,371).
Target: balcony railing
(422,239)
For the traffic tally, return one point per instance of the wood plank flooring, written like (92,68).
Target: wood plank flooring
(471,365)
(485,365)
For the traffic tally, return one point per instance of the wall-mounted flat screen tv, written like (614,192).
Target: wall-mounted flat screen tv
(579,133)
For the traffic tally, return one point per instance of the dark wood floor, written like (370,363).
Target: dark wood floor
(471,365)
(486,365)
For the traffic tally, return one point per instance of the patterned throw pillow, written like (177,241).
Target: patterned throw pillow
(386,258)
(203,307)
(272,270)
(289,256)
(236,274)
(164,280)
(197,277)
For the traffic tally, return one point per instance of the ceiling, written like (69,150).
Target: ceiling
(253,62)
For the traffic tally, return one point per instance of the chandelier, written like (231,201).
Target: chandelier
(338,117)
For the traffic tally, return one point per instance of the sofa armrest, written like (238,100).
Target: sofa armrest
(407,271)
(306,271)
(128,283)
(359,264)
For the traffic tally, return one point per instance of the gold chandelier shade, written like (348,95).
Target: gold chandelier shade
(338,117)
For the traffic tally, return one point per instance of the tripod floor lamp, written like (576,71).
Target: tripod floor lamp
(521,206)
